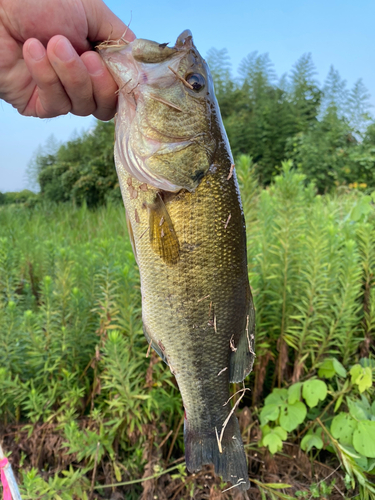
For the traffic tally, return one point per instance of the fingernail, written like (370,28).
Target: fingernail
(36,50)
(64,50)
(94,66)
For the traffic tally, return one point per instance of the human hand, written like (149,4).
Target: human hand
(47,67)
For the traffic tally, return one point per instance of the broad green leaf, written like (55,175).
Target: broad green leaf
(280,432)
(330,367)
(361,377)
(277,397)
(326,369)
(339,369)
(310,441)
(366,380)
(370,464)
(362,207)
(342,428)
(362,462)
(357,410)
(364,438)
(355,372)
(294,392)
(273,442)
(349,450)
(365,403)
(292,415)
(313,391)
(266,429)
(270,412)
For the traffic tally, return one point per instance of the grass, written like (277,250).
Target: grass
(82,406)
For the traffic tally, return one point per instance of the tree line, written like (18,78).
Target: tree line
(326,130)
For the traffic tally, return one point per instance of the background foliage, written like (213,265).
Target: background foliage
(83,405)
(326,129)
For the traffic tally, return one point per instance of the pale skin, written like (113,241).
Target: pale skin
(47,65)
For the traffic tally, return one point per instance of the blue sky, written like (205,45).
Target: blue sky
(338,32)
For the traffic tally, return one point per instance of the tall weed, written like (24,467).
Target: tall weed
(73,360)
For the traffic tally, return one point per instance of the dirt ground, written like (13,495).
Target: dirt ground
(292,467)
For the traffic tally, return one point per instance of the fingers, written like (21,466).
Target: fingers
(67,83)
(104,24)
(103,85)
(72,74)
(49,98)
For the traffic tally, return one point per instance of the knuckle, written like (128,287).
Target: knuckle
(104,114)
(49,79)
(54,108)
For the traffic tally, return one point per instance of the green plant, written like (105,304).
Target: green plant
(74,376)
(350,433)
(320,490)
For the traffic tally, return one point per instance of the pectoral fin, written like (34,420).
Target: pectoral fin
(163,237)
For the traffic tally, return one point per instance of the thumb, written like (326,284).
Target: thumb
(103,24)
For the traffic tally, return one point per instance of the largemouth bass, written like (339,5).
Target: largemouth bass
(187,228)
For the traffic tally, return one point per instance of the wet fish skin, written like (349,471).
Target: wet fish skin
(188,236)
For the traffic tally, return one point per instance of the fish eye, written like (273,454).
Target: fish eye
(196,80)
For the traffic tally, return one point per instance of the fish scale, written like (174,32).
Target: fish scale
(190,246)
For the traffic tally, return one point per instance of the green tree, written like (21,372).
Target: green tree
(335,93)
(305,93)
(359,107)
(220,67)
(82,169)
(261,120)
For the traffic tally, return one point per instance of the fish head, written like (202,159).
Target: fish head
(168,123)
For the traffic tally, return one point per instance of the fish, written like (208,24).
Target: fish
(187,229)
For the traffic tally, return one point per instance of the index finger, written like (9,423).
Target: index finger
(103,24)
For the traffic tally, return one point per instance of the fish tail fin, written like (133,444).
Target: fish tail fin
(228,456)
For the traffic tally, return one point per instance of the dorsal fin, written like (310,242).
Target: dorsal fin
(163,237)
